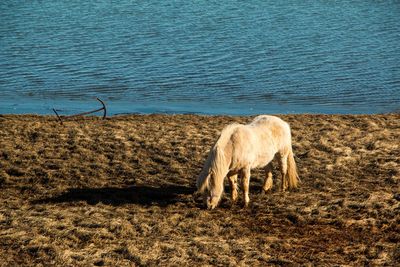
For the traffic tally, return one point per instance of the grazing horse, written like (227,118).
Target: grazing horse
(241,148)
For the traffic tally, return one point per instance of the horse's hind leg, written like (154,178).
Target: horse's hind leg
(246,182)
(233,183)
(283,166)
(268,178)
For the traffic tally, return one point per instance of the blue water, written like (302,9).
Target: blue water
(208,57)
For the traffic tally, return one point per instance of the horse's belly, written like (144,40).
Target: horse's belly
(262,161)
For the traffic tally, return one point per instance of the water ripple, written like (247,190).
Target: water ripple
(222,57)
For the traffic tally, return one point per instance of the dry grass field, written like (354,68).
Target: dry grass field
(118,192)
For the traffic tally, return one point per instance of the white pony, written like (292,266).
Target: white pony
(241,148)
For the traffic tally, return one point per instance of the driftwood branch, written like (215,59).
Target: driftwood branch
(85,113)
(58,116)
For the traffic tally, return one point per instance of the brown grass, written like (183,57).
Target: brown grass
(118,192)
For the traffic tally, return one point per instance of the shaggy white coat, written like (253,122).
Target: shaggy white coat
(241,148)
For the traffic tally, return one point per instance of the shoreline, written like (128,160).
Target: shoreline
(68,107)
(118,115)
(119,191)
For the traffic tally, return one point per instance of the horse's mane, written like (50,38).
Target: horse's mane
(226,134)
(216,165)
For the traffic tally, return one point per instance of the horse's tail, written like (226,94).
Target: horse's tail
(293,177)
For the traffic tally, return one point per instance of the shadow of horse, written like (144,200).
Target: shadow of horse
(142,195)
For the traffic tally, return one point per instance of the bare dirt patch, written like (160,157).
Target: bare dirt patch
(118,192)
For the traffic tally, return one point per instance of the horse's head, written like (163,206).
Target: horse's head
(210,198)
(211,179)
(212,201)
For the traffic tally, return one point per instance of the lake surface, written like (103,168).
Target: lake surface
(207,57)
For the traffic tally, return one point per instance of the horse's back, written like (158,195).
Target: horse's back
(278,129)
(269,120)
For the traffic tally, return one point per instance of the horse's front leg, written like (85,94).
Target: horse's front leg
(246,183)
(268,178)
(233,183)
